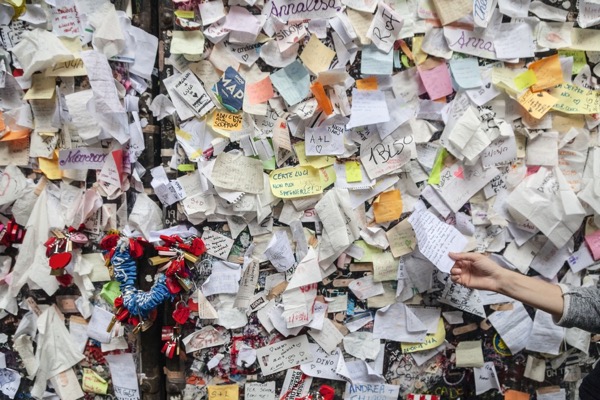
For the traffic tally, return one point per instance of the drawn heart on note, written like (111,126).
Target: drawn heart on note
(301,354)
(319,148)
(4,183)
(60,260)
(459,173)
(245,57)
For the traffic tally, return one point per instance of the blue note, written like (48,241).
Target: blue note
(292,82)
(230,90)
(376,62)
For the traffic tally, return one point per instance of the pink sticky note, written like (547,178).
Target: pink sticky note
(593,243)
(436,81)
(260,91)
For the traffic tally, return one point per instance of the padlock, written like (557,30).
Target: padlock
(185,283)
(181,313)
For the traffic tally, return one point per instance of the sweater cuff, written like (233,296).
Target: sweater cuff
(565,289)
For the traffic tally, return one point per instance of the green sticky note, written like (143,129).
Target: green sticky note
(353,172)
(269,165)
(438,165)
(525,80)
(370,251)
(579,60)
(186,167)
(110,291)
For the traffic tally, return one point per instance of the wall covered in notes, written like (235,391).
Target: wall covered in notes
(256,198)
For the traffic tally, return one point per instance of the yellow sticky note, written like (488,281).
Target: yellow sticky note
(313,161)
(187,42)
(186,167)
(227,121)
(353,172)
(50,167)
(432,340)
(420,55)
(402,238)
(187,14)
(537,104)
(42,87)
(525,80)
(316,56)
(287,183)
(579,60)
(438,165)
(572,99)
(328,176)
(367,83)
(388,206)
(505,78)
(93,383)
(224,392)
(548,72)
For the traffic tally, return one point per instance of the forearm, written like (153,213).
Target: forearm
(534,292)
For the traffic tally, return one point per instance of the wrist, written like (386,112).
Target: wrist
(504,281)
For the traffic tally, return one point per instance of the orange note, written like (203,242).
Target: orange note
(537,104)
(16,135)
(548,73)
(388,206)
(367,83)
(322,99)
(259,92)
(515,395)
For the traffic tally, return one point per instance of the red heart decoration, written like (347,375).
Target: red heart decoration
(60,260)
(135,248)
(181,314)
(198,247)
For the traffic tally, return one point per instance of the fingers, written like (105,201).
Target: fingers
(465,256)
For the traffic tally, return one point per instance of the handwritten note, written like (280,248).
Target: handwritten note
(223,392)
(234,171)
(216,244)
(316,56)
(368,107)
(227,121)
(437,81)
(380,157)
(295,182)
(260,391)
(385,27)
(124,376)
(436,239)
(304,9)
(573,99)
(372,391)
(192,92)
(537,104)
(325,140)
(283,355)
(402,238)
(450,10)
(259,92)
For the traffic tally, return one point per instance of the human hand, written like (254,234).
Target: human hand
(476,271)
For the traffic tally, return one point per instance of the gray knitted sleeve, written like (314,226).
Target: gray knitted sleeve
(581,308)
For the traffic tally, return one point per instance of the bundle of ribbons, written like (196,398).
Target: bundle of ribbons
(138,307)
